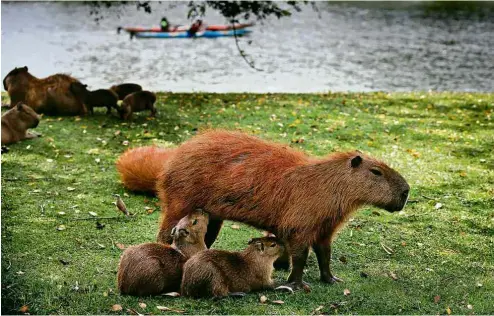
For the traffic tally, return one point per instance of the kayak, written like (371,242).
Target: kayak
(209,34)
(182,28)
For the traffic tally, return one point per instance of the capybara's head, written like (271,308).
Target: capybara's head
(78,89)
(267,246)
(26,115)
(192,228)
(373,182)
(12,75)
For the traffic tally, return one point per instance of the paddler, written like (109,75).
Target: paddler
(165,26)
(196,27)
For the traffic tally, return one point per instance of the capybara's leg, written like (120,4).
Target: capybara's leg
(218,287)
(108,110)
(214,228)
(167,224)
(299,255)
(91,110)
(322,249)
(153,111)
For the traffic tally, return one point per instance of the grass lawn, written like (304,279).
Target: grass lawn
(439,255)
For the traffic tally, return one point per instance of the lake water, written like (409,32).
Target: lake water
(343,47)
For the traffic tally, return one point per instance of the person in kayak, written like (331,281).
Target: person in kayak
(165,25)
(197,26)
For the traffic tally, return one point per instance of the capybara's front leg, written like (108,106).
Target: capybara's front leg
(167,224)
(299,255)
(153,111)
(108,110)
(322,249)
(214,228)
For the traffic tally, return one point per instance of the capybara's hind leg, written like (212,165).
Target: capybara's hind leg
(108,110)
(214,228)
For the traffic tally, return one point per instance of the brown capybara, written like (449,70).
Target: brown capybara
(302,200)
(219,273)
(137,102)
(16,122)
(96,98)
(138,166)
(154,268)
(124,89)
(50,95)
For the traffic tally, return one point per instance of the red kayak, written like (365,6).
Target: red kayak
(182,28)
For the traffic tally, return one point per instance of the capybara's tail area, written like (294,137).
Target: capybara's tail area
(139,167)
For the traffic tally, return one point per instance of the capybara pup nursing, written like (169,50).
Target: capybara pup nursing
(50,95)
(154,268)
(219,273)
(16,122)
(96,98)
(124,89)
(137,102)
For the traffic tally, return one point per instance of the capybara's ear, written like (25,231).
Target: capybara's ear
(356,161)
(25,68)
(174,230)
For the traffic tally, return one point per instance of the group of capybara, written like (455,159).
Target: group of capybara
(61,95)
(299,201)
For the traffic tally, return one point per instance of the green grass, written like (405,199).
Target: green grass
(442,143)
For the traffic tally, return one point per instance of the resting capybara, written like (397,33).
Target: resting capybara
(218,273)
(16,122)
(136,102)
(50,95)
(302,200)
(124,89)
(96,98)
(138,166)
(154,268)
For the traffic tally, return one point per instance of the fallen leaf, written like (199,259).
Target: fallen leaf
(24,309)
(93,214)
(393,276)
(142,305)
(120,246)
(279,302)
(61,227)
(263,299)
(20,272)
(116,308)
(403,243)
(306,288)
(132,311)
(438,206)
(125,143)
(448,310)
(61,213)
(117,133)
(235,226)
(49,160)
(149,210)
(285,288)
(164,308)
(318,309)
(388,250)
(172,294)
(437,298)
(346,292)
(469,306)
(70,189)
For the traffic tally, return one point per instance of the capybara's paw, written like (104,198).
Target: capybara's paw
(331,279)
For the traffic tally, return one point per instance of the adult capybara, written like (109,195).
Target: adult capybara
(301,199)
(124,89)
(96,98)
(219,273)
(50,95)
(154,268)
(138,166)
(16,122)
(136,102)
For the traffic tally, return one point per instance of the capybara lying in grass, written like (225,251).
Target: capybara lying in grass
(219,273)
(124,89)
(50,95)
(154,268)
(137,102)
(16,122)
(303,200)
(96,98)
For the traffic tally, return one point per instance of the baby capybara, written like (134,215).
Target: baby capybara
(154,268)
(124,89)
(136,102)
(218,273)
(16,122)
(50,95)
(96,98)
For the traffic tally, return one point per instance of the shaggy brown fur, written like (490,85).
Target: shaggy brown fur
(300,199)
(139,167)
(96,98)
(16,122)
(217,273)
(124,89)
(49,95)
(153,268)
(137,102)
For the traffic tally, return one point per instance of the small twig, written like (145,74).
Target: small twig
(429,198)
(10,264)
(93,218)
(244,56)
(42,207)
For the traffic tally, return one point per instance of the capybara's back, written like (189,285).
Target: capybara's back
(124,89)
(140,167)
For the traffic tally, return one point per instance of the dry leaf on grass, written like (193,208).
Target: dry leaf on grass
(469,306)
(448,310)
(116,308)
(393,276)
(24,309)
(132,311)
(279,302)
(437,298)
(61,227)
(93,214)
(168,309)
(235,226)
(120,246)
(172,294)
(142,305)
(346,292)
(388,250)
(318,309)
(263,299)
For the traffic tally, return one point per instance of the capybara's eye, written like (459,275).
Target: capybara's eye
(377,172)
(194,222)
